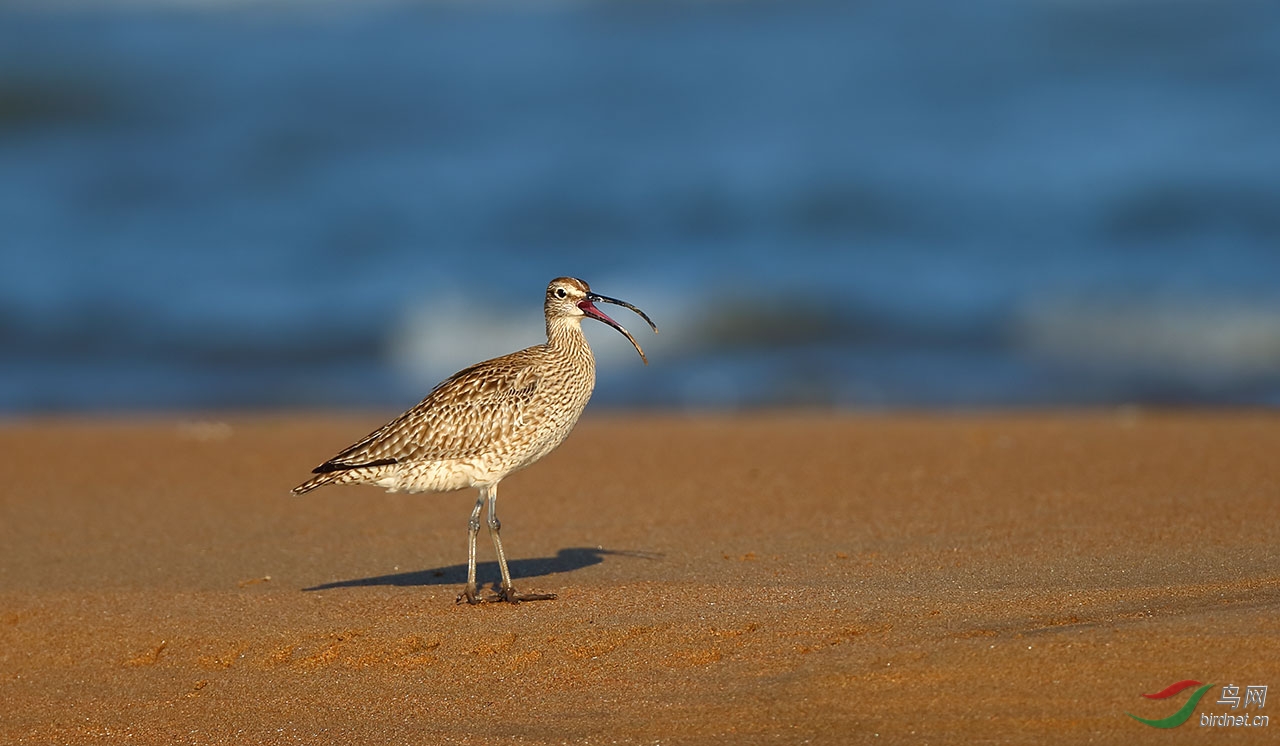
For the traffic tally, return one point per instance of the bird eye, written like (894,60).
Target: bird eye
(560,292)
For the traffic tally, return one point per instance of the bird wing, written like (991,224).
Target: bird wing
(463,417)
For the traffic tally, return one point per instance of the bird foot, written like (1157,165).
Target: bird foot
(512,596)
(506,595)
(470,595)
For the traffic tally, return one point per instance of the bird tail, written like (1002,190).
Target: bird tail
(318,480)
(342,473)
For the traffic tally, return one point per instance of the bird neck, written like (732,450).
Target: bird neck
(565,335)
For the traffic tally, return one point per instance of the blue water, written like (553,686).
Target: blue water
(872,204)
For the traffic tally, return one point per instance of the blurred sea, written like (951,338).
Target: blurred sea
(856,204)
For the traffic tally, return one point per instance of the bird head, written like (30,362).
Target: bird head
(569,297)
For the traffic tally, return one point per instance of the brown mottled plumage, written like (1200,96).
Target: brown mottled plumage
(486,422)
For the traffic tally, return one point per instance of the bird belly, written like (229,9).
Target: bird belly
(433,476)
(545,441)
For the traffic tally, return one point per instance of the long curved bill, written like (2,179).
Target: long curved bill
(588,307)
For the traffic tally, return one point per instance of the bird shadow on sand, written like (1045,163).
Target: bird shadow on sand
(566,560)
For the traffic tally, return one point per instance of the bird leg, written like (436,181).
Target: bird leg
(507,592)
(473,528)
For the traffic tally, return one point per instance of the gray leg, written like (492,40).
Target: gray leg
(507,592)
(473,528)
(494,527)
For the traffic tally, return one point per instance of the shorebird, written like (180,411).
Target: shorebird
(487,421)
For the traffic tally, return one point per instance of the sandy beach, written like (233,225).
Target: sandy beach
(763,578)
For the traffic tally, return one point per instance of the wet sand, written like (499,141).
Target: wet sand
(769,578)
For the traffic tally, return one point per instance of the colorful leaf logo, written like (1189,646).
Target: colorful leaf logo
(1179,717)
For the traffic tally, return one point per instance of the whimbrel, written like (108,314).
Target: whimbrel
(487,421)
